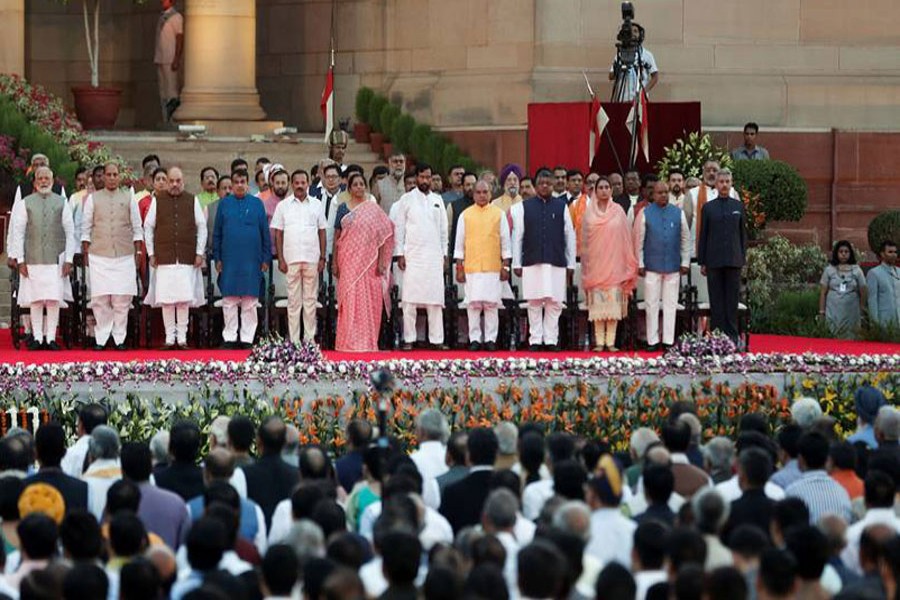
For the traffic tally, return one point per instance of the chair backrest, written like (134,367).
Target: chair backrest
(397,277)
(699,280)
(576,281)
(639,290)
(214,276)
(279,280)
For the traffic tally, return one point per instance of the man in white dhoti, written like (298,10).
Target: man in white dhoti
(543,251)
(175,234)
(43,237)
(111,237)
(420,230)
(482,254)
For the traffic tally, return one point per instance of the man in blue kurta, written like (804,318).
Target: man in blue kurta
(241,249)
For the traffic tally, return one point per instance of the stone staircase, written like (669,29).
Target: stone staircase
(303,151)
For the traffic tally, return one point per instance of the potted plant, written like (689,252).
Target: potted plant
(389,114)
(362,128)
(376,138)
(96,107)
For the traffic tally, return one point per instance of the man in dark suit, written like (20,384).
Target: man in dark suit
(659,483)
(183,476)
(753,507)
(462,501)
(722,252)
(270,480)
(349,466)
(50,447)
(632,193)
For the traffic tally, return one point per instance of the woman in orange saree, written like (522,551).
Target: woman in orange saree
(363,247)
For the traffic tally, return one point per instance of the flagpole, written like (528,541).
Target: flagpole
(605,129)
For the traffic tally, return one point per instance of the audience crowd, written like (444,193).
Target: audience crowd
(244,511)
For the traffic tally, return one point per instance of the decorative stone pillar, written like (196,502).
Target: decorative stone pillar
(220,62)
(12,36)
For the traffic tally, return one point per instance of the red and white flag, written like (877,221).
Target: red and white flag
(327,103)
(599,120)
(639,113)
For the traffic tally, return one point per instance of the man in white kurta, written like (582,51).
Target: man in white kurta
(482,253)
(175,235)
(543,251)
(420,230)
(43,239)
(111,237)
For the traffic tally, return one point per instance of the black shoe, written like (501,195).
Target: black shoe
(535,348)
(167,347)
(551,348)
(474,347)
(121,347)
(652,347)
(490,347)
(406,347)
(34,345)
(245,345)
(440,347)
(99,348)
(229,346)
(29,337)
(52,346)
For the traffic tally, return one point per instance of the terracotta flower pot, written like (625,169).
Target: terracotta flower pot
(388,149)
(361,132)
(376,142)
(97,108)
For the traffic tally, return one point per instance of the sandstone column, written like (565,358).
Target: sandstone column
(12,36)
(220,62)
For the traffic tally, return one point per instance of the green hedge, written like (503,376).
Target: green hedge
(781,189)
(885,226)
(28,135)
(407,135)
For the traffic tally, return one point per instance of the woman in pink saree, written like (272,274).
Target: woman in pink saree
(609,266)
(363,247)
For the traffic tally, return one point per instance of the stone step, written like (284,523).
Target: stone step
(193,155)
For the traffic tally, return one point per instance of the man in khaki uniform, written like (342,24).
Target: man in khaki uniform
(168,56)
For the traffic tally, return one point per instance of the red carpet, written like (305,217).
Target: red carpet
(759,344)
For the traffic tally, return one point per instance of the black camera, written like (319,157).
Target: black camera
(628,41)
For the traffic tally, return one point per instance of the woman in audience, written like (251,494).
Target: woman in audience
(843,292)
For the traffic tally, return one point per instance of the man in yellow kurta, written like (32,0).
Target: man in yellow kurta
(482,255)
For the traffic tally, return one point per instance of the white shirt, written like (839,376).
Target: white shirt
(524,529)
(87,220)
(883,516)
(510,567)
(73,462)
(535,496)
(421,237)
(430,460)
(300,221)
(436,528)
(19,224)
(100,476)
(648,64)
(459,247)
(644,580)
(612,536)
(231,563)
(685,246)
(731,490)
(517,212)
(282,520)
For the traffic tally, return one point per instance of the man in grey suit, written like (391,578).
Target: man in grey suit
(883,282)
(722,253)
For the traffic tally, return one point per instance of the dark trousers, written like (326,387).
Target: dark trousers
(724,285)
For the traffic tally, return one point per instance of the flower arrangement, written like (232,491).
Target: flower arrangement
(283,351)
(49,114)
(711,344)
(756,214)
(608,409)
(689,153)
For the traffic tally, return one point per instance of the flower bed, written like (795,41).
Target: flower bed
(596,397)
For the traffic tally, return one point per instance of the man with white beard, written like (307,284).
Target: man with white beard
(698,198)
(111,237)
(175,233)
(420,231)
(43,230)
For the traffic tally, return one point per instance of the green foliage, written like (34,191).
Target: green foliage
(401,132)
(376,104)
(688,154)
(389,114)
(363,98)
(451,155)
(434,150)
(782,191)
(874,332)
(419,139)
(776,268)
(29,136)
(885,226)
(792,313)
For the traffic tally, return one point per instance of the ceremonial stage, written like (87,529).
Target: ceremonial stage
(586,393)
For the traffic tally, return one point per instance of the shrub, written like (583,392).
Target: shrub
(389,114)
(450,156)
(401,132)
(792,313)
(419,139)
(30,139)
(377,103)
(363,98)
(434,151)
(885,226)
(779,266)
(781,189)
(690,153)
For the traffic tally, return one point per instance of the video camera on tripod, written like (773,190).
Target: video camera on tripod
(629,39)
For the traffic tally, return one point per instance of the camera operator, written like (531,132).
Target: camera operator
(645,64)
